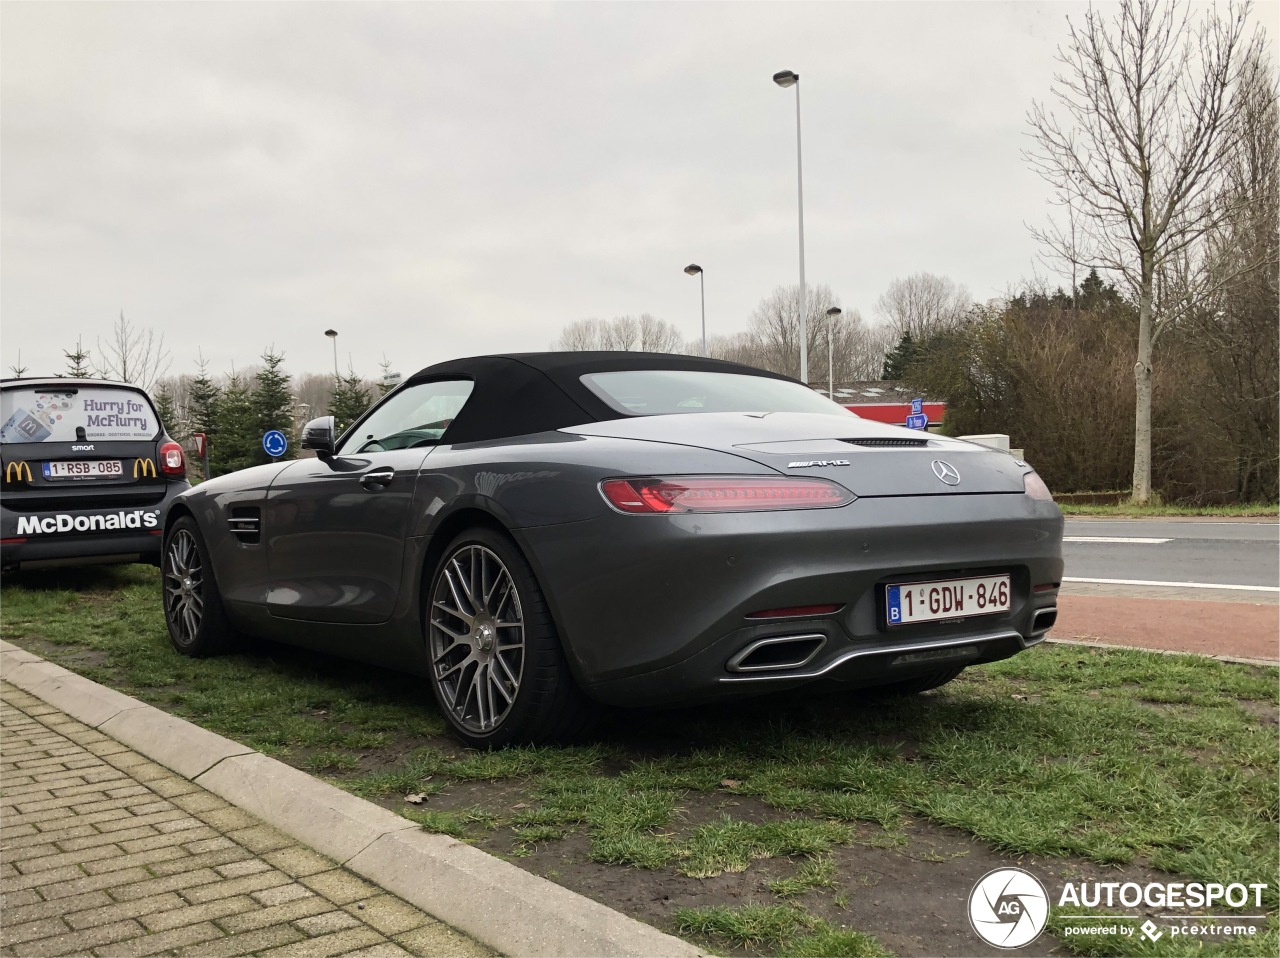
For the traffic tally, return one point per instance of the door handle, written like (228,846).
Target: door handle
(377,479)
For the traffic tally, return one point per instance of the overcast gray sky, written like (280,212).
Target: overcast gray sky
(437,180)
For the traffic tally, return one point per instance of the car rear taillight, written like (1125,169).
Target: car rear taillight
(722,494)
(1034,486)
(172,462)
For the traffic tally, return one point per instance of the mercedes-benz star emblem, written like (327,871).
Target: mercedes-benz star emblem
(946,472)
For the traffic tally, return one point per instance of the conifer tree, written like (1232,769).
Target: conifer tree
(273,403)
(167,409)
(239,441)
(350,399)
(206,401)
(900,358)
(78,365)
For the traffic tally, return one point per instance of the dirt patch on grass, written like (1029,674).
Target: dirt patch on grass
(1263,711)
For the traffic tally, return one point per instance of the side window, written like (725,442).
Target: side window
(417,416)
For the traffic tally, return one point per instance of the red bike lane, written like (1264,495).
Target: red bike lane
(1185,623)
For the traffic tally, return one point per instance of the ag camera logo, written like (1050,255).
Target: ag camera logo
(1008,908)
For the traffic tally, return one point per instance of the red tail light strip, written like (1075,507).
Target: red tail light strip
(655,496)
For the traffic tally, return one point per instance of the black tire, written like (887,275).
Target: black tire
(921,683)
(497,668)
(193,610)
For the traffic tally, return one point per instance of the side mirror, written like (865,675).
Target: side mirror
(318,435)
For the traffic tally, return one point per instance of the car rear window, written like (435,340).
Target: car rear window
(50,414)
(658,392)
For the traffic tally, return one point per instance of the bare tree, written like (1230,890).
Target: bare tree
(658,335)
(774,329)
(312,395)
(133,355)
(923,305)
(579,335)
(1237,327)
(1150,115)
(645,333)
(17,368)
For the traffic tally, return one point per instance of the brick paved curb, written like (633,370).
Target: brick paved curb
(493,901)
(107,853)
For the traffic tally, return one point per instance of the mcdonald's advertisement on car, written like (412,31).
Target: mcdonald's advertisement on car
(88,473)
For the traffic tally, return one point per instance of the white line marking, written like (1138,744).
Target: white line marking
(1139,540)
(1178,585)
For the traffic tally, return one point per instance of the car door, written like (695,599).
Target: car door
(335,527)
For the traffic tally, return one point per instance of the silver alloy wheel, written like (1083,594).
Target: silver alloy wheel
(477,638)
(184,586)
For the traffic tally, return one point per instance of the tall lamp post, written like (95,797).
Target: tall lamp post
(832,313)
(693,269)
(333,334)
(786,79)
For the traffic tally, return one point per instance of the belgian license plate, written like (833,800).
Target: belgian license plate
(910,602)
(84,469)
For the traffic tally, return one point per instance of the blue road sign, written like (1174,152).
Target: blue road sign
(917,407)
(918,422)
(274,442)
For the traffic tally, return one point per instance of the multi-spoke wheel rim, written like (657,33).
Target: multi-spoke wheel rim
(183,586)
(477,638)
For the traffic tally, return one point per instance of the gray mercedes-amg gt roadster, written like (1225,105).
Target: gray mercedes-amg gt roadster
(534,533)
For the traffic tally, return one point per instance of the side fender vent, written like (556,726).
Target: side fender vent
(245,522)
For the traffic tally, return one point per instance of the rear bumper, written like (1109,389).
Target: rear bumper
(655,609)
(75,535)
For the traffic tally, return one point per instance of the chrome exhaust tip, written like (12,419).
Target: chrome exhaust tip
(1043,620)
(777,653)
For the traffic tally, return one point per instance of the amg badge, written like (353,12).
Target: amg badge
(811,463)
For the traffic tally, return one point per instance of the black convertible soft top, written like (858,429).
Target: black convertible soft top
(519,394)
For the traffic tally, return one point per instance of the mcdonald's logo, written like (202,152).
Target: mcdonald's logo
(146,466)
(17,472)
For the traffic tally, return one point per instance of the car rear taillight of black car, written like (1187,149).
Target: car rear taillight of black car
(172,462)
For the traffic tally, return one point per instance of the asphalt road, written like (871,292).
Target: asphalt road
(1185,551)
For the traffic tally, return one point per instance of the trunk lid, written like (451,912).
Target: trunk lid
(870,459)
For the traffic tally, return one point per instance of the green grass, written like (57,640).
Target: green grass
(1118,757)
(817,872)
(777,929)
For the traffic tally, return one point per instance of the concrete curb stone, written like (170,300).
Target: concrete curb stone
(488,898)
(83,700)
(175,743)
(323,816)
(1230,659)
(500,905)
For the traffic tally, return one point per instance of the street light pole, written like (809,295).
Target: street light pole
(832,313)
(333,334)
(693,269)
(785,79)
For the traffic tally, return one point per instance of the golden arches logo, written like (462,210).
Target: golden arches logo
(17,472)
(147,467)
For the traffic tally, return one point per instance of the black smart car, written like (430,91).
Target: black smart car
(88,473)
